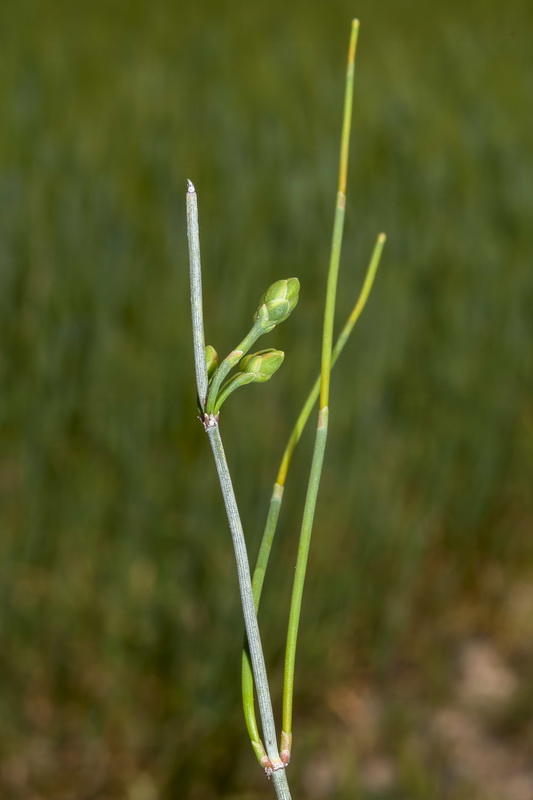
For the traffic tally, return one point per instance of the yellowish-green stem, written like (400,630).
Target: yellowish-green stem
(323,413)
(277,498)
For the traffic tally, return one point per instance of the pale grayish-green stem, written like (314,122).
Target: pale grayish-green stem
(273,764)
(193,235)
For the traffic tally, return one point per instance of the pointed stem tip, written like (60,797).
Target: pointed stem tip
(190,186)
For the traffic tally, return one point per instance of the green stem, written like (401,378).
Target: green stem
(323,414)
(257,587)
(337,350)
(338,225)
(277,494)
(249,611)
(301,567)
(266,543)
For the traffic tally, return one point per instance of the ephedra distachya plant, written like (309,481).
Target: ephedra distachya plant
(216,381)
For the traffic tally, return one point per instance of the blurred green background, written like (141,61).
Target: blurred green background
(120,624)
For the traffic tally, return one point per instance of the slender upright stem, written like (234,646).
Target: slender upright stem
(338,225)
(277,493)
(274,763)
(299,575)
(323,414)
(257,587)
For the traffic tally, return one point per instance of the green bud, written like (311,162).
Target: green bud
(262,365)
(277,303)
(256,368)
(211,360)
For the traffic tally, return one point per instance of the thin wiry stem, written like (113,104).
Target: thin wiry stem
(277,493)
(337,350)
(323,413)
(250,616)
(257,586)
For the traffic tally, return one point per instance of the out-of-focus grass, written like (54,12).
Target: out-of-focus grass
(119,610)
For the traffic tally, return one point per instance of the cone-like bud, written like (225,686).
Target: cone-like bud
(211,360)
(262,365)
(277,303)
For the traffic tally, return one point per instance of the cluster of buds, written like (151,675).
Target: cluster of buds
(274,307)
